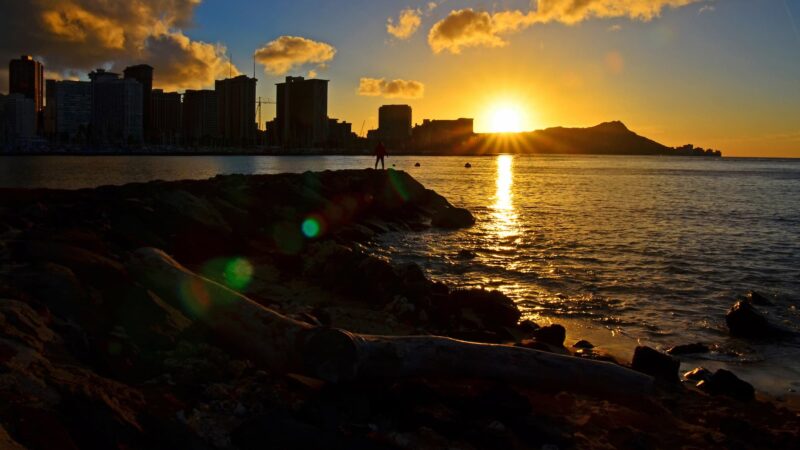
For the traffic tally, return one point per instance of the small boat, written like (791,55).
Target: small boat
(468,166)
(416,165)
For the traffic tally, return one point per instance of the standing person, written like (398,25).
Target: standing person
(380,153)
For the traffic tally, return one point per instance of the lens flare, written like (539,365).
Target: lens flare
(238,273)
(311,227)
(398,185)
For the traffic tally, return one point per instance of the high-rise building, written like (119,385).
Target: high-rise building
(236,110)
(116,109)
(200,117)
(165,116)
(20,117)
(144,75)
(394,123)
(26,77)
(302,112)
(68,111)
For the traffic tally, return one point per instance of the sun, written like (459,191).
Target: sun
(506,118)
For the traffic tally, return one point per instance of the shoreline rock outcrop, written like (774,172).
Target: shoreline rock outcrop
(96,353)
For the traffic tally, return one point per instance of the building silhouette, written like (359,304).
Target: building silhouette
(165,117)
(117,116)
(394,125)
(26,77)
(199,117)
(19,114)
(144,75)
(68,112)
(301,118)
(340,134)
(436,133)
(236,113)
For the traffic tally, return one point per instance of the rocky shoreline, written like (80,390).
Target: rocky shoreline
(100,350)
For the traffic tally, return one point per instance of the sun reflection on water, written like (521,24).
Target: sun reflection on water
(505,216)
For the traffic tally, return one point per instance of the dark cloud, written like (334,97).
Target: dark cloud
(80,35)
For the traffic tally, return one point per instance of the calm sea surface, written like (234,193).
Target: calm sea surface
(622,249)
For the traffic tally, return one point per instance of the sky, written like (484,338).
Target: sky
(722,74)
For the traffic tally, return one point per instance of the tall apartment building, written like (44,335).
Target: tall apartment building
(26,77)
(236,110)
(302,112)
(68,112)
(144,75)
(165,117)
(394,123)
(117,116)
(200,123)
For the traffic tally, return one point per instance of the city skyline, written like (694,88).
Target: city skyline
(675,70)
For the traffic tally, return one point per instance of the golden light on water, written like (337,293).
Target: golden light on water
(504,212)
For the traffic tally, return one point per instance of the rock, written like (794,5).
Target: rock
(552,334)
(686,349)
(278,429)
(746,321)
(655,363)
(453,218)
(754,298)
(583,344)
(528,326)
(466,254)
(724,382)
(697,374)
(492,308)
(7,443)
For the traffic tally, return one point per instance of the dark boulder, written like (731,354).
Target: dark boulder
(687,349)
(551,334)
(724,382)
(453,218)
(746,321)
(492,308)
(583,344)
(754,298)
(654,363)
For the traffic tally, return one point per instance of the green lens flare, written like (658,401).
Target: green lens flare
(398,185)
(311,227)
(238,273)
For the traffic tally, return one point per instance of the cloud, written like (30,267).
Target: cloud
(181,63)
(706,9)
(380,87)
(407,24)
(76,36)
(289,52)
(470,28)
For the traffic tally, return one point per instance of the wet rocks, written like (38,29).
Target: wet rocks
(490,309)
(652,362)
(551,334)
(745,321)
(697,374)
(754,298)
(688,349)
(453,218)
(724,382)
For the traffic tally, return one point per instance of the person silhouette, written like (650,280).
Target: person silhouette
(380,153)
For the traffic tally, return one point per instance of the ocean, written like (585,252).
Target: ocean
(623,250)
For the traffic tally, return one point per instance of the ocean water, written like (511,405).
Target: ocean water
(624,250)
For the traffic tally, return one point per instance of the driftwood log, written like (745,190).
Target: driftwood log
(284,344)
